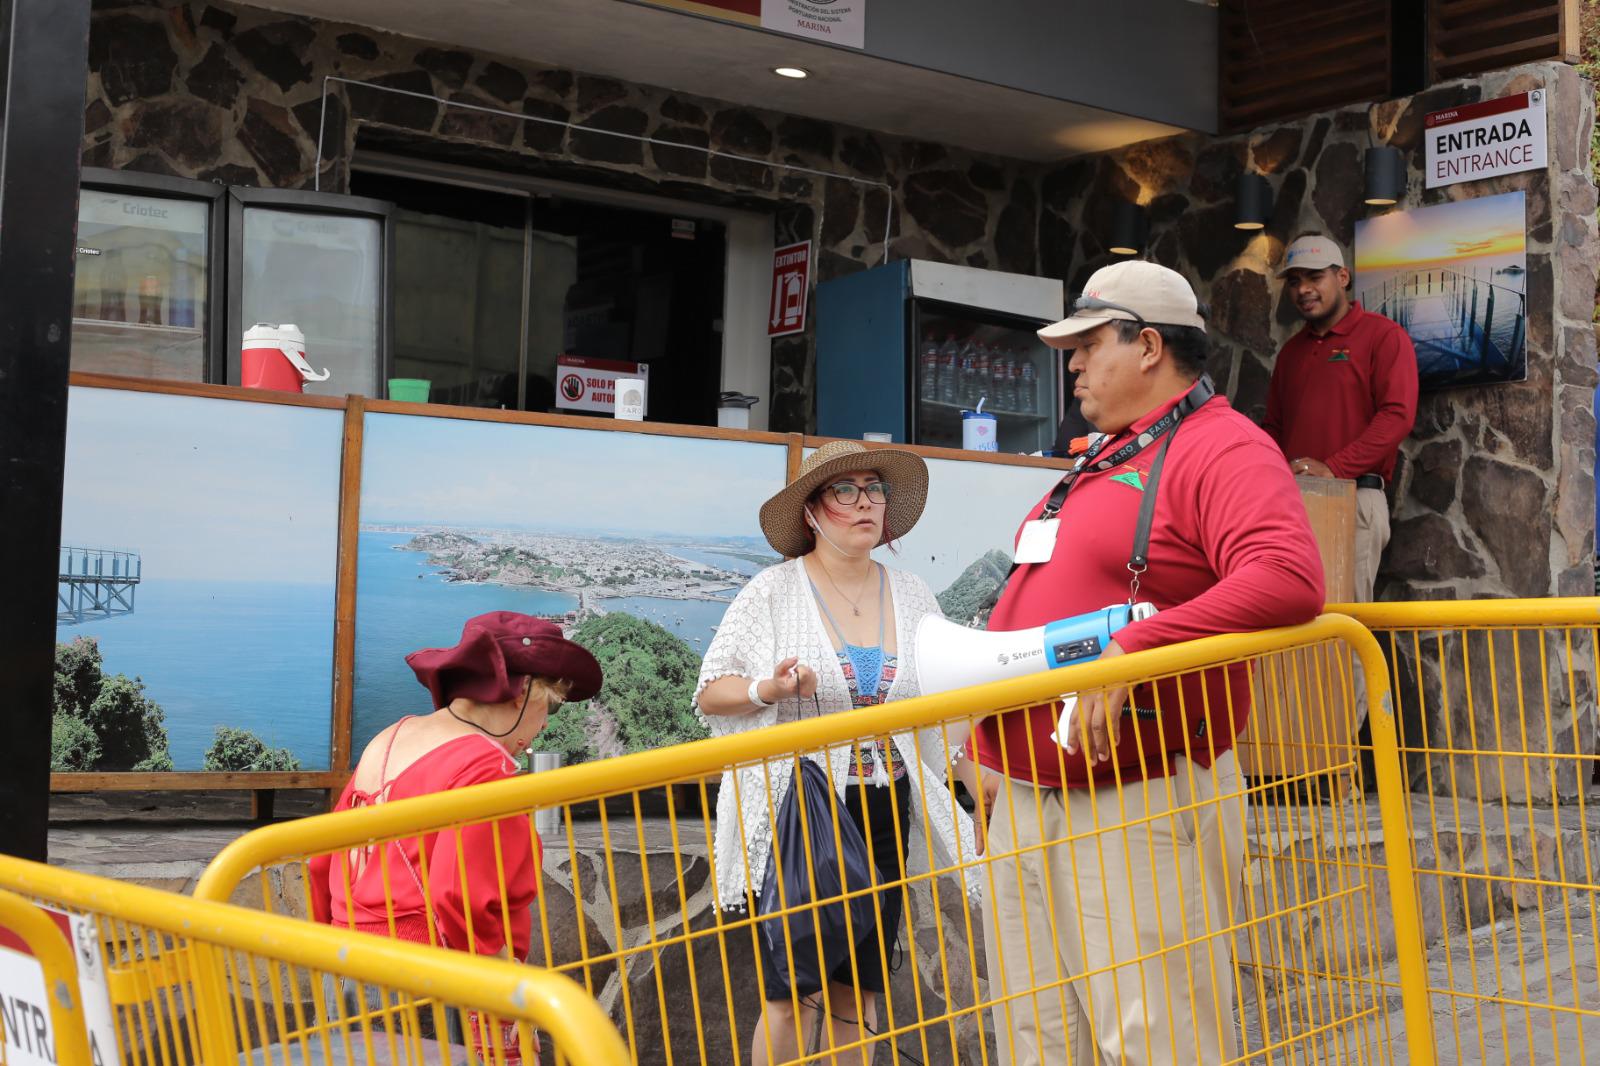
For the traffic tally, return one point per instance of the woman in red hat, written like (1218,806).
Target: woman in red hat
(493,692)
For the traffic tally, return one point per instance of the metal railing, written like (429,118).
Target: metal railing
(1297,938)
(1499,734)
(191,981)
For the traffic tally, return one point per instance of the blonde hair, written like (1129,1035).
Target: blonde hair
(553,689)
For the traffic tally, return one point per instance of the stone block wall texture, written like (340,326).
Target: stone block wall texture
(235,94)
(1495,492)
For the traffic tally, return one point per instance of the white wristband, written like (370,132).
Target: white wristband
(754,693)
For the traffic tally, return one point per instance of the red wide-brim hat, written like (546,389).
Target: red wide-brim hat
(495,650)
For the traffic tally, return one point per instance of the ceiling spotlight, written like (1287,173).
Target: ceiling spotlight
(791,72)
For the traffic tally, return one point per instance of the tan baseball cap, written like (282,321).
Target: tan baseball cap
(1311,252)
(1128,291)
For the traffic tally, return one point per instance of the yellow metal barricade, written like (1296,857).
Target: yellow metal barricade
(1293,938)
(65,1042)
(191,981)
(1297,943)
(1498,737)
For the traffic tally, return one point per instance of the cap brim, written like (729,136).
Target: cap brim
(1067,328)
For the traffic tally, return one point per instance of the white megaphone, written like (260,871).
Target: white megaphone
(951,656)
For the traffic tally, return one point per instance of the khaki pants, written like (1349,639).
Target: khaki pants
(1372,536)
(1131,908)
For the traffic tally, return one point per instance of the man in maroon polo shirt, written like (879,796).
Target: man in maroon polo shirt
(1343,393)
(1229,550)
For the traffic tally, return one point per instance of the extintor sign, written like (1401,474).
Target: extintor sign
(791,282)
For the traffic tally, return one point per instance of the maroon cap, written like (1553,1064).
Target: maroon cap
(495,650)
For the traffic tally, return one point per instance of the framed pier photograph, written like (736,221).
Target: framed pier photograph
(1455,277)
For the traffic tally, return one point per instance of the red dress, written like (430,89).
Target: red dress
(464,901)
(461,876)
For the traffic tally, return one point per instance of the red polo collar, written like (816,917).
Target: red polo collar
(1344,326)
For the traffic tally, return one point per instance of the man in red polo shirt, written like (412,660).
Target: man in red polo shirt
(1229,550)
(1343,393)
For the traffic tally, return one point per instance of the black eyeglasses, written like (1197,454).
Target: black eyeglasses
(1094,303)
(847,492)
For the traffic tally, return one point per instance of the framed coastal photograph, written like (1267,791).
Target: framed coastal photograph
(1455,277)
(195,595)
(635,544)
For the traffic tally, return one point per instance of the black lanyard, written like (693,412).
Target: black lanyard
(1163,430)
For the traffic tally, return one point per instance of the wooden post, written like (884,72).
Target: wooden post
(1275,746)
(344,601)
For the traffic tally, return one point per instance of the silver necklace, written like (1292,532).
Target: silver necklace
(855,604)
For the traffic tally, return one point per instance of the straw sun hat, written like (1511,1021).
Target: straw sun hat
(783,517)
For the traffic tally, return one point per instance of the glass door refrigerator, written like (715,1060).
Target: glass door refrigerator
(904,348)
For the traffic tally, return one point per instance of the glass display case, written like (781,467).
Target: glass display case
(321,262)
(966,358)
(143,301)
(904,348)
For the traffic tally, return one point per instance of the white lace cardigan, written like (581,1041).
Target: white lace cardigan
(774,617)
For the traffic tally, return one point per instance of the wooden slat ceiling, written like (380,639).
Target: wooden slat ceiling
(1281,58)
(1471,36)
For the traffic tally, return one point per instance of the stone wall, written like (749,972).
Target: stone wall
(234,94)
(1495,493)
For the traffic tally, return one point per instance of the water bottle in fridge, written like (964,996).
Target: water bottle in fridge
(980,377)
(929,368)
(1028,387)
(949,370)
(969,375)
(1002,397)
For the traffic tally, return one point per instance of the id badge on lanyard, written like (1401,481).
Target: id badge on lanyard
(1038,541)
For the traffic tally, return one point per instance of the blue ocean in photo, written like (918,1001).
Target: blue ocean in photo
(405,605)
(251,655)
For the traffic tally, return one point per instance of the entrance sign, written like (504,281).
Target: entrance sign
(584,384)
(25,1010)
(791,282)
(1485,140)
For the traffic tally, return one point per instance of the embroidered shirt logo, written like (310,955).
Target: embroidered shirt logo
(1131,478)
(1340,355)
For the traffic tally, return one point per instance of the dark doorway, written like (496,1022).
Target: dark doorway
(491,288)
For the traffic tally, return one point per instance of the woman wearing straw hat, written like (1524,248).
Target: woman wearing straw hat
(830,630)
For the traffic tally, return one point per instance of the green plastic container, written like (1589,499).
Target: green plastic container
(414,390)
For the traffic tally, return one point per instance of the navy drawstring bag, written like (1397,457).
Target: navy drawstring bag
(820,936)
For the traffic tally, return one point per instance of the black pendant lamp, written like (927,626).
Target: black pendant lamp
(1386,175)
(1129,228)
(1252,202)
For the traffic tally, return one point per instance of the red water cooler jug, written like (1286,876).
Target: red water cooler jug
(274,357)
